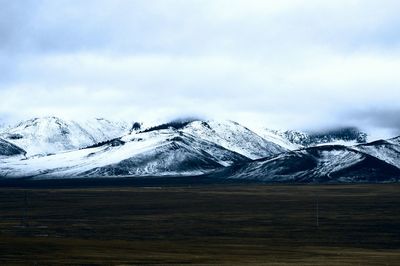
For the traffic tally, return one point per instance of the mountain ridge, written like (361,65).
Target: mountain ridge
(223,149)
(320,164)
(347,136)
(49,135)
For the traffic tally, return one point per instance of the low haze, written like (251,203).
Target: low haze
(282,64)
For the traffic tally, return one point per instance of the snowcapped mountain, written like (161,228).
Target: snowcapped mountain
(277,137)
(156,152)
(386,150)
(330,163)
(343,136)
(223,149)
(234,137)
(49,135)
(9,149)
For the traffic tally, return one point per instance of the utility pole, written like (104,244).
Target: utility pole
(317,211)
(25,214)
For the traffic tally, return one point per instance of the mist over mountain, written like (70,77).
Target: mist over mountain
(50,147)
(226,132)
(345,136)
(266,65)
(263,61)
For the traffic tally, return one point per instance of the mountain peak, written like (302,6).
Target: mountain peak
(50,134)
(344,136)
(99,147)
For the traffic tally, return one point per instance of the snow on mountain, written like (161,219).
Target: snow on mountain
(223,149)
(234,137)
(343,136)
(48,135)
(386,150)
(316,164)
(9,149)
(159,152)
(395,140)
(277,138)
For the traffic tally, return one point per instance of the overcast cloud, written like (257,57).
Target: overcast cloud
(304,64)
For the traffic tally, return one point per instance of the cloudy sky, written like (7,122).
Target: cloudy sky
(303,64)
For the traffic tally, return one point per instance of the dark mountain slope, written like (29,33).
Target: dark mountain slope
(316,165)
(9,149)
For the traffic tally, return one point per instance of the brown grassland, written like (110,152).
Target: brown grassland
(204,224)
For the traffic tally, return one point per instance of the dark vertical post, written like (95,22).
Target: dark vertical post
(317,211)
(25,218)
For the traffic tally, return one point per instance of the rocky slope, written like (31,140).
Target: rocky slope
(316,165)
(221,149)
(385,150)
(235,137)
(9,149)
(342,136)
(49,135)
(158,152)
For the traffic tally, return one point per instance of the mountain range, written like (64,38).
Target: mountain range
(47,135)
(50,147)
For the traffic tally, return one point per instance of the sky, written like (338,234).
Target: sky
(298,64)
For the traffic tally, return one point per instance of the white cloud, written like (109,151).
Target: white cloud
(303,64)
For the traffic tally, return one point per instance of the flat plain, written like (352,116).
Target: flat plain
(201,224)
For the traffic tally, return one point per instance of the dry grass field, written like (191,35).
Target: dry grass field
(203,224)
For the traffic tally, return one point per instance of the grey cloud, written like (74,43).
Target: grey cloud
(194,26)
(15,19)
(301,64)
(388,118)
